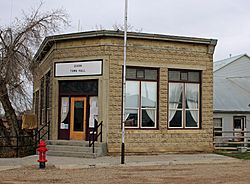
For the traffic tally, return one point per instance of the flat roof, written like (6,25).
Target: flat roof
(49,41)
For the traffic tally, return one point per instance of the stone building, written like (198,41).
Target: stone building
(169,90)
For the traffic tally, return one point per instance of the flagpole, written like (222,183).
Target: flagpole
(124,83)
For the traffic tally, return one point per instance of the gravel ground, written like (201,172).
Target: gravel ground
(188,173)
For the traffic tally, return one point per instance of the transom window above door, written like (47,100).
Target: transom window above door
(141,98)
(184,99)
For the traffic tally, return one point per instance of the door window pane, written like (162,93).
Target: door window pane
(78,115)
(65,117)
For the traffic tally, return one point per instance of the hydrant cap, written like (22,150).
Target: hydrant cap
(42,143)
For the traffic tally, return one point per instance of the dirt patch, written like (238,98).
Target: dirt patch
(195,173)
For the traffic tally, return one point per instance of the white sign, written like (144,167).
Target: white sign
(78,68)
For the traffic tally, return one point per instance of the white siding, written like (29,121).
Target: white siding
(227,122)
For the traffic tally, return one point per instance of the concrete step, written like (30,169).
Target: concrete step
(67,142)
(69,148)
(72,148)
(72,143)
(71,154)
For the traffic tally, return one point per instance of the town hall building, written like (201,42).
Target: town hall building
(169,90)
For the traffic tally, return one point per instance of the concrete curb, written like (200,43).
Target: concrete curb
(102,162)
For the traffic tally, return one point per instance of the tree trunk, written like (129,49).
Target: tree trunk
(10,114)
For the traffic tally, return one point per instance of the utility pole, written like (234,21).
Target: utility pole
(124,82)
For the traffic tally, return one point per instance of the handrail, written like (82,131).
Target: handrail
(38,133)
(94,134)
(34,139)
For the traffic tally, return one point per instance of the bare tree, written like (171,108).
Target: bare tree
(17,45)
(120,27)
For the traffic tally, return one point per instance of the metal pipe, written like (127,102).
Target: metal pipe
(124,83)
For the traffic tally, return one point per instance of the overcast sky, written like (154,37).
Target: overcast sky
(225,20)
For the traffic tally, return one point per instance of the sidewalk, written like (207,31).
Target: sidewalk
(109,161)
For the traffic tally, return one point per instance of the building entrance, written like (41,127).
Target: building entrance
(78,108)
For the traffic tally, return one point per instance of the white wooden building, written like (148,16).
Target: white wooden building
(232,96)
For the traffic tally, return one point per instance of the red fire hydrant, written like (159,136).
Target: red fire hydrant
(42,154)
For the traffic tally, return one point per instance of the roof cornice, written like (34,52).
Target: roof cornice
(48,41)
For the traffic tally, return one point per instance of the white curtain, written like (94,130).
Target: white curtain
(149,98)
(192,97)
(64,108)
(93,114)
(151,114)
(175,91)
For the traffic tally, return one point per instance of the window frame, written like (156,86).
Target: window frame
(42,98)
(140,80)
(243,121)
(47,96)
(183,109)
(218,128)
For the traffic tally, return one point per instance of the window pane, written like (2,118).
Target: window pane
(132,94)
(150,74)
(217,122)
(148,94)
(78,115)
(148,117)
(192,96)
(174,75)
(192,119)
(131,117)
(175,95)
(184,76)
(140,74)
(176,120)
(237,123)
(217,126)
(130,73)
(194,76)
(79,87)
(65,110)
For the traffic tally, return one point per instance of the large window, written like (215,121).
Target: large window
(184,99)
(141,98)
